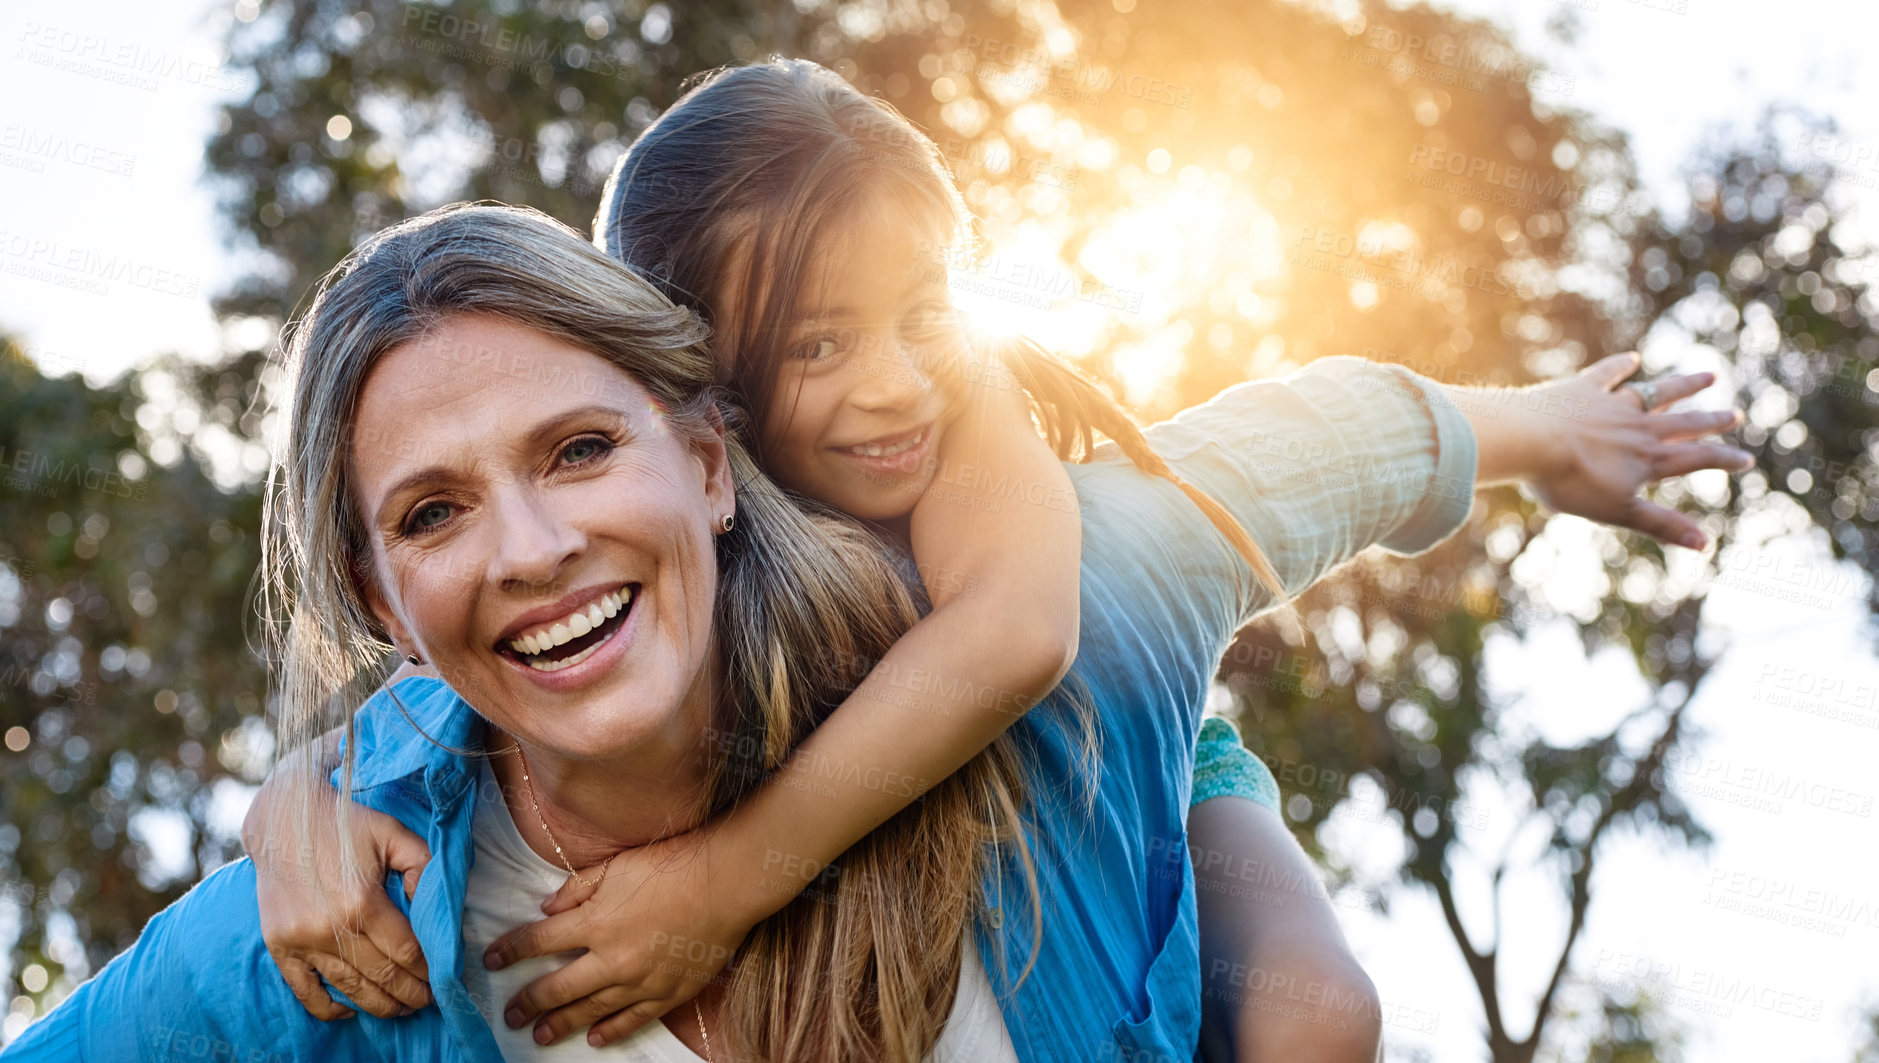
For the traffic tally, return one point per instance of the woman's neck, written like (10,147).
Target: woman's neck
(594,809)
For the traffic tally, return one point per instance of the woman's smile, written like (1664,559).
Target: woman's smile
(590,627)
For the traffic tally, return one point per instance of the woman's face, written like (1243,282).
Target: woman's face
(541,537)
(856,420)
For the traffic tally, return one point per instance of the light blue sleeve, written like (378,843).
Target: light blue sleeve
(1317,466)
(1325,462)
(199,985)
(1224,767)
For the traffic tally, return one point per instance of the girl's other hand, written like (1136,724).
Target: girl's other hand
(657,929)
(318,924)
(1596,445)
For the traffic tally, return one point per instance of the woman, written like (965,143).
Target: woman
(436,509)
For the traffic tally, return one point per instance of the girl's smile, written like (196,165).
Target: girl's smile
(896,453)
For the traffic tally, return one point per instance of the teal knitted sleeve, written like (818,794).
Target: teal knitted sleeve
(1224,767)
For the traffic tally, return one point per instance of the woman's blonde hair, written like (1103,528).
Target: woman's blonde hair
(741,183)
(862,967)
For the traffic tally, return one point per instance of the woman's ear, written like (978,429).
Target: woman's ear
(714,454)
(365,582)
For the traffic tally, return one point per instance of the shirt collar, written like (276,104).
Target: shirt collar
(417,726)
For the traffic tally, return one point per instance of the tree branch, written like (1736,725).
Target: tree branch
(1625,799)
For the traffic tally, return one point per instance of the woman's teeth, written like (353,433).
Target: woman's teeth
(573,626)
(876,450)
(565,662)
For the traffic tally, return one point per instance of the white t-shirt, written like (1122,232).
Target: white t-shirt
(508,881)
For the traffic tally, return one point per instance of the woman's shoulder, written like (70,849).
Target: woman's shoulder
(409,727)
(199,983)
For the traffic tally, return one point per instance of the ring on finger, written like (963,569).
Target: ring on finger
(1646,392)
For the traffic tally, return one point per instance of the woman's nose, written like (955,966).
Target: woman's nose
(533,543)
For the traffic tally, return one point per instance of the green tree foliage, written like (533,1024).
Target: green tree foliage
(126,691)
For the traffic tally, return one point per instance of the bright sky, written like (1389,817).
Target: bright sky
(103,177)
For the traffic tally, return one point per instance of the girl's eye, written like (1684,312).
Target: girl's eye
(820,349)
(929,318)
(585,449)
(428,517)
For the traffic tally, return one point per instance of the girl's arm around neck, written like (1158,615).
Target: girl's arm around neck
(997,539)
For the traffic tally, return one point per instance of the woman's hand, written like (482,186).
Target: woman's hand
(657,929)
(1586,445)
(315,922)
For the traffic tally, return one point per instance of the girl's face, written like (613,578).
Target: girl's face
(543,537)
(856,419)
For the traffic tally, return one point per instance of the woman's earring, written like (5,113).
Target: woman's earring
(413,658)
(725,522)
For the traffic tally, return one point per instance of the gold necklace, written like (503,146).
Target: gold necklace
(529,787)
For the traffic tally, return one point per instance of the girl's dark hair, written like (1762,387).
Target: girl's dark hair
(735,187)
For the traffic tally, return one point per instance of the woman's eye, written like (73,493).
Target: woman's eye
(428,516)
(584,450)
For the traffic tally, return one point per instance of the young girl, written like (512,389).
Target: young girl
(800,218)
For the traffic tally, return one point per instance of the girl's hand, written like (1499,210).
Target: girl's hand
(657,929)
(1595,445)
(317,925)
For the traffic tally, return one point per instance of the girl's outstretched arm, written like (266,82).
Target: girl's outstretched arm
(1279,980)
(997,537)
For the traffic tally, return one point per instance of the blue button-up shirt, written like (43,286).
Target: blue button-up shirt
(1318,466)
